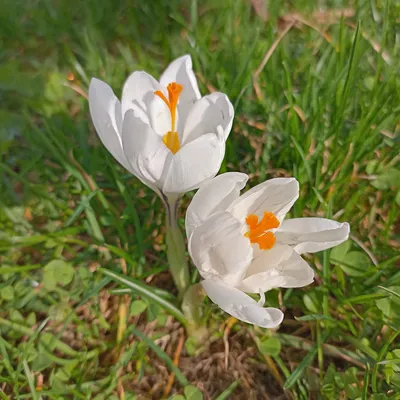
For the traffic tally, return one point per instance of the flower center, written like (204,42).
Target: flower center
(259,230)
(171,138)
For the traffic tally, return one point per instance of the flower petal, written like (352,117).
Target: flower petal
(160,116)
(144,150)
(240,305)
(181,71)
(212,113)
(279,267)
(105,110)
(138,90)
(309,235)
(214,195)
(275,195)
(218,248)
(194,163)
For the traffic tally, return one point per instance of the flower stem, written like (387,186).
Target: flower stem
(191,296)
(192,309)
(176,251)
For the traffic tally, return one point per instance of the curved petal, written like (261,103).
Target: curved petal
(138,90)
(212,113)
(194,163)
(214,195)
(240,305)
(159,115)
(144,150)
(219,249)
(275,195)
(309,235)
(279,267)
(105,110)
(181,71)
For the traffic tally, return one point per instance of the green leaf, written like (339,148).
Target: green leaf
(192,393)
(310,303)
(390,306)
(16,316)
(364,298)
(315,317)
(137,307)
(57,271)
(351,387)
(390,291)
(41,362)
(392,361)
(355,264)
(271,346)
(338,253)
(389,179)
(7,293)
(31,319)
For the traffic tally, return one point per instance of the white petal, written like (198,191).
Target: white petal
(194,163)
(181,71)
(240,305)
(212,113)
(219,249)
(159,115)
(214,195)
(105,110)
(309,235)
(144,150)
(275,195)
(280,266)
(138,90)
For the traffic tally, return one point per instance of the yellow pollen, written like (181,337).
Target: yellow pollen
(171,138)
(259,231)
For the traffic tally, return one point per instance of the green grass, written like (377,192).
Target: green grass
(325,109)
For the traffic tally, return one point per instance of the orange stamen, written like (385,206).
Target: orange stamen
(171,138)
(258,231)
(162,97)
(174,90)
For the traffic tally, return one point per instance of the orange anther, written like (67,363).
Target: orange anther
(259,231)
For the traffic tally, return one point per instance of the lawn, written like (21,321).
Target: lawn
(88,309)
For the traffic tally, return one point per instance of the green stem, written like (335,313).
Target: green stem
(192,309)
(176,250)
(192,296)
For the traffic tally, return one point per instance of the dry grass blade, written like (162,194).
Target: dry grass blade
(231,321)
(177,355)
(269,53)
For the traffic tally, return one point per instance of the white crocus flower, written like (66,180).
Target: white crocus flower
(243,244)
(163,132)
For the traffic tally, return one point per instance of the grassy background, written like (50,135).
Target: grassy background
(324,108)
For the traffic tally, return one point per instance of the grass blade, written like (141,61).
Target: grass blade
(146,292)
(298,372)
(163,356)
(228,391)
(31,381)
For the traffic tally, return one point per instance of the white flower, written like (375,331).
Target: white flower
(243,244)
(164,132)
